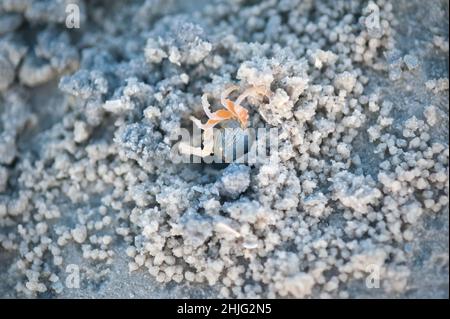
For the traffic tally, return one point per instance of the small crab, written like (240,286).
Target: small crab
(232,110)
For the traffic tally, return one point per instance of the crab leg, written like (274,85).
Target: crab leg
(226,93)
(253,92)
(208,125)
(206,108)
(214,118)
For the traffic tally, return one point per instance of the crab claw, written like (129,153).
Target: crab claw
(208,146)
